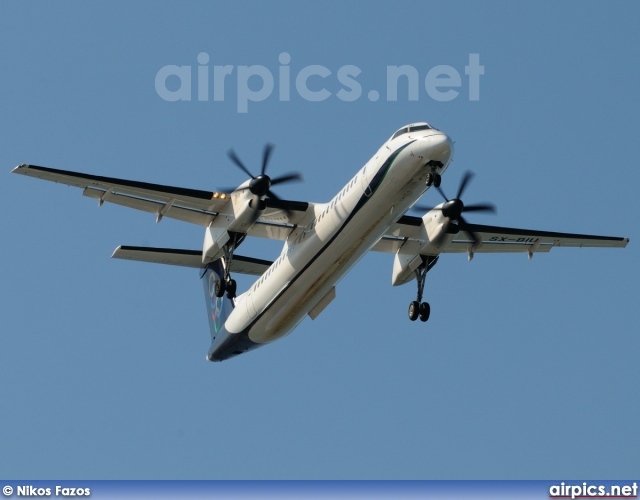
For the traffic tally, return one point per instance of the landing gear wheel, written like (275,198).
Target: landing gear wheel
(437,179)
(417,308)
(231,289)
(220,288)
(414,310)
(429,180)
(425,311)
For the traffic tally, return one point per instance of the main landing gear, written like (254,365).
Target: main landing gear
(417,308)
(226,284)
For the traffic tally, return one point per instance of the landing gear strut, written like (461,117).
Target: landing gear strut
(227,284)
(417,308)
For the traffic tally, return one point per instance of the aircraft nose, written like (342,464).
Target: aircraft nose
(438,148)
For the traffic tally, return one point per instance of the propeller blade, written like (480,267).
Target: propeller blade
(462,223)
(440,237)
(423,208)
(442,193)
(236,160)
(480,207)
(268,148)
(463,184)
(273,195)
(452,210)
(295,176)
(260,185)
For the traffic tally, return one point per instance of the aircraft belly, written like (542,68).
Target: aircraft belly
(330,267)
(303,294)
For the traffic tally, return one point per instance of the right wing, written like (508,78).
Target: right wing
(188,205)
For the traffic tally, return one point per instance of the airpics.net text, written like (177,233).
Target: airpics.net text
(257,83)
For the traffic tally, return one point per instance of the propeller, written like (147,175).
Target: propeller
(454,208)
(260,185)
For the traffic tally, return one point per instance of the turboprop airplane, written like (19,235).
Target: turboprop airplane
(322,241)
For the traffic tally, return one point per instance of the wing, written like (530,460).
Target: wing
(506,239)
(188,205)
(494,239)
(407,228)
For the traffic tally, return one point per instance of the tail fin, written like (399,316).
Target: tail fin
(218,308)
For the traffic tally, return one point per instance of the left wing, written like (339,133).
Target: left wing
(188,205)
(505,239)
(494,239)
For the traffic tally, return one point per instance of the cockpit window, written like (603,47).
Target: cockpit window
(413,128)
(419,127)
(400,132)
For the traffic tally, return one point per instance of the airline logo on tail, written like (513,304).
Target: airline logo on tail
(216,304)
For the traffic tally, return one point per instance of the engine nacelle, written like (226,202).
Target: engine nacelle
(239,216)
(433,236)
(246,209)
(215,238)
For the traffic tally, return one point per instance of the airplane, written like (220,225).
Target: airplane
(322,241)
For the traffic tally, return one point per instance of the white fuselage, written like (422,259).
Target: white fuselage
(316,257)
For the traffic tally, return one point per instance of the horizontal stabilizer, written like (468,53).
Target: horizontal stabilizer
(188,258)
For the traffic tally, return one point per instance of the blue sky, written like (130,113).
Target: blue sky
(526,369)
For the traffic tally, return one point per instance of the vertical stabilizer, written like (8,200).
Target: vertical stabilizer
(218,308)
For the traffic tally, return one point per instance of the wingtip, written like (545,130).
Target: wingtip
(115,255)
(17,169)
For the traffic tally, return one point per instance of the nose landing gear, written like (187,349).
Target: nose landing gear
(433,177)
(417,308)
